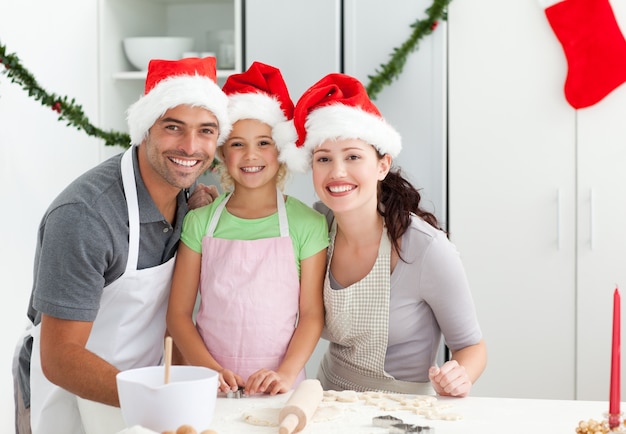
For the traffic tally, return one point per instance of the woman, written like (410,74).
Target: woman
(394,283)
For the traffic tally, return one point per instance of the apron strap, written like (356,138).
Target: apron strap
(280,205)
(282,214)
(130,190)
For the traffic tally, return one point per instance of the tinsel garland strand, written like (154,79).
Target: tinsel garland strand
(69,111)
(392,70)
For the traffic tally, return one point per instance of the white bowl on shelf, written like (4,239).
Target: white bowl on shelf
(141,49)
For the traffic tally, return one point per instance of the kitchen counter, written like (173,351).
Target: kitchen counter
(471,415)
(477,416)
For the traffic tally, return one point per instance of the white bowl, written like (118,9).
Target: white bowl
(140,50)
(188,399)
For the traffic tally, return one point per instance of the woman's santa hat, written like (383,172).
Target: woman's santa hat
(338,107)
(261,93)
(170,83)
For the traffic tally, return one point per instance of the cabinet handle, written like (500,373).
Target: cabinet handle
(591,219)
(558,219)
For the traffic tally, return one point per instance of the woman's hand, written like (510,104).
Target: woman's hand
(450,380)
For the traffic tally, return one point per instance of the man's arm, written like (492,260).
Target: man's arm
(67,363)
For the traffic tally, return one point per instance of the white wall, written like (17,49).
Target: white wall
(39,155)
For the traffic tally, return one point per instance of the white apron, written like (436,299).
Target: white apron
(249,302)
(357,326)
(128,331)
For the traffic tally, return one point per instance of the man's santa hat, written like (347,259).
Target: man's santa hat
(170,83)
(338,107)
(261,93)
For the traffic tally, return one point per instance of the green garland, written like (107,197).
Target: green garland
(69,111)
(392,70)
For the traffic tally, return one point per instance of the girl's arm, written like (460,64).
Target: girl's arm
(307,333)
(180,323)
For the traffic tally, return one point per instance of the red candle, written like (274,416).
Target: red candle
(614,401)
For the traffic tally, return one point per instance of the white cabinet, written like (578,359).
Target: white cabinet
(511,196)
(535,202)
(601,238)
(120,85)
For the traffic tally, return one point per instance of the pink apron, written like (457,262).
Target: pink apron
(250,292)
(128,331)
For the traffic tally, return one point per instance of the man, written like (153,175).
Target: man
(106,246)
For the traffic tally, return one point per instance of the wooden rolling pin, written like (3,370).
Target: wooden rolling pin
(300,407)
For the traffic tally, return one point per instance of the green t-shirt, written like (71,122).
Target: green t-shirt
(308,229)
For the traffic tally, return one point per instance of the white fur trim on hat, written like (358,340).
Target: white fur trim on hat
(193,90)
(285,136)
(339,121)
(259,106)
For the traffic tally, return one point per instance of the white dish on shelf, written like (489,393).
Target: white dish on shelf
(141,49)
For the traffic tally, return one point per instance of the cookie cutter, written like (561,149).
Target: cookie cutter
(386,421)
(403,428)
(236,394)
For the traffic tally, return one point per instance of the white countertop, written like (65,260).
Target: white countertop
(473,416)
(478,416)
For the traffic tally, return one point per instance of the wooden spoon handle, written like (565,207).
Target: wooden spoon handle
(168,358)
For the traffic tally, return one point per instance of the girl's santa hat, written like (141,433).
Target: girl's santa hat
(261,93)
(170,83)
(338,107)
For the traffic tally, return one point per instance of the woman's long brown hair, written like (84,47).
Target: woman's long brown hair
(398,198)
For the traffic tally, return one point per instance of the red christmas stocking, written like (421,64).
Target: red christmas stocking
(594,46)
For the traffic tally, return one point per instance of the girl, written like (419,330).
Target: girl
(394,282)
(257,256)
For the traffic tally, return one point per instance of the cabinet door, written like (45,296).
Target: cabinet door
(601,238)
(511,193)
(415,103)
(300,37)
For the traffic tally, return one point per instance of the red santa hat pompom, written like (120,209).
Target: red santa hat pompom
(261,93)
(338,107)
(170,83)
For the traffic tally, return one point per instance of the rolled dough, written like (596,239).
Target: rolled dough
(268,416)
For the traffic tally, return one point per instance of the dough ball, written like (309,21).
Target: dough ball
(186,429)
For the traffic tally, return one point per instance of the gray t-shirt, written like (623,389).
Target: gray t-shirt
(82,246)
(430,297)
